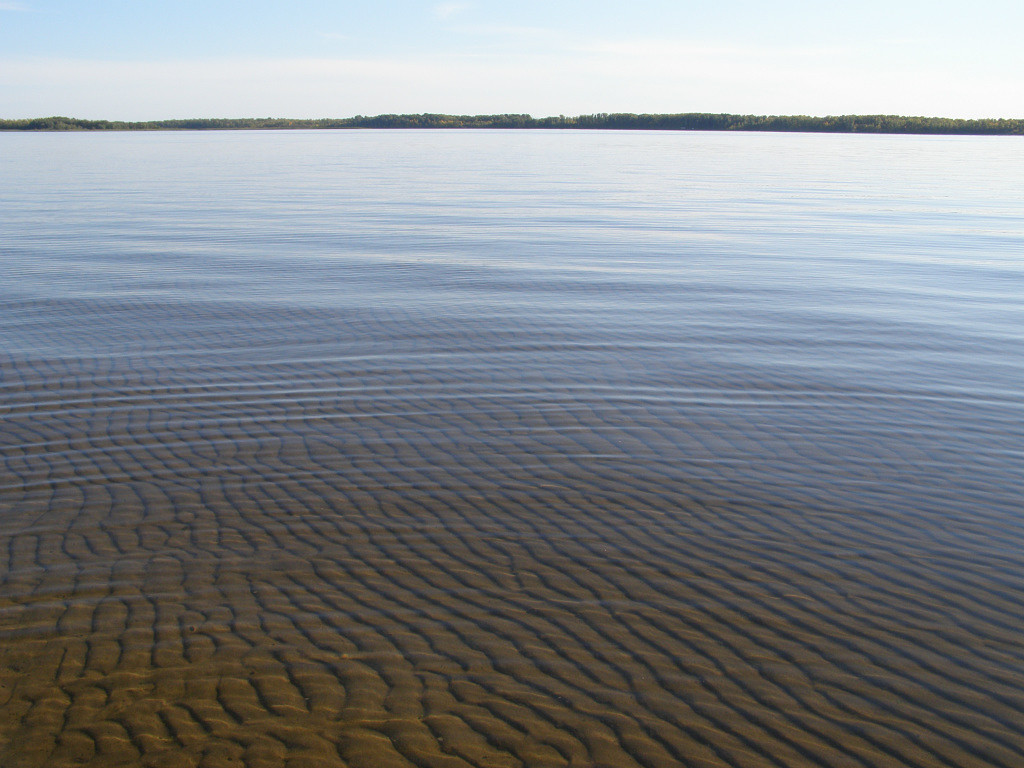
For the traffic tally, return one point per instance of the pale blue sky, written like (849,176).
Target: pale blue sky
(150,59)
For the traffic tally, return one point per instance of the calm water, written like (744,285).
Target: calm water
(511,448)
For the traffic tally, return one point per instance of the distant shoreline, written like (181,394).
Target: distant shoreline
(691,121)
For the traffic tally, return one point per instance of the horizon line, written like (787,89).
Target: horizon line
(712,121)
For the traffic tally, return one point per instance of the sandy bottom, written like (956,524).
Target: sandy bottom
(378,570)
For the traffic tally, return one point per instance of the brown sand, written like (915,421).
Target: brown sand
(371,568)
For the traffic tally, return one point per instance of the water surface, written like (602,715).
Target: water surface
(526,448)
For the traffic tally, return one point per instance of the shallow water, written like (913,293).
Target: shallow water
(511,449)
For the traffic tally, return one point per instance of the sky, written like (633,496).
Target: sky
(160,59)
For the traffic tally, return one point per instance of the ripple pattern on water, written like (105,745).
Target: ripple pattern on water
(446,507)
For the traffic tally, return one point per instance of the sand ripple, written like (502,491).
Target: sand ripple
(382,540)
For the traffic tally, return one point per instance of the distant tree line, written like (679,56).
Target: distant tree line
(690,121)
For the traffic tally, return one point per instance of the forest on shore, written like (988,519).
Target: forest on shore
(690,121)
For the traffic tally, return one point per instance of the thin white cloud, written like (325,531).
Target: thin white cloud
(512,32)
(447,10)
(655,48)
(13,7)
